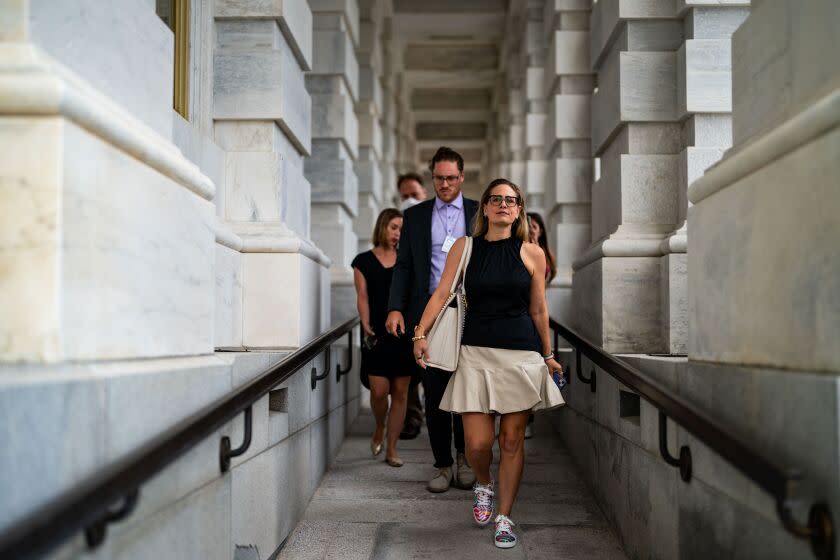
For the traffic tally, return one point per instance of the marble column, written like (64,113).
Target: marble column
(262,114)
(704,105)
(96,266)
(333,84)
(764,260)
(532,56)
(637,139)
(567,87)
(390,126)
(369,110)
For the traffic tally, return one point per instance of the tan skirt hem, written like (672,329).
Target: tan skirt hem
(493,380)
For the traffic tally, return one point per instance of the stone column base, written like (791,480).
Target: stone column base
(616,303)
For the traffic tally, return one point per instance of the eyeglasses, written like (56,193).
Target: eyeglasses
(441,179)
(496,200)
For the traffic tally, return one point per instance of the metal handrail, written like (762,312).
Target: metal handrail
(779,482)
(89,506)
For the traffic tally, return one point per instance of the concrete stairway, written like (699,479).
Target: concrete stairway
(365,509)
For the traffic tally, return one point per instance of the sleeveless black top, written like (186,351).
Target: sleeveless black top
(498,290)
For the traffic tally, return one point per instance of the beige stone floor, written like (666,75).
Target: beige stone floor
(365,509)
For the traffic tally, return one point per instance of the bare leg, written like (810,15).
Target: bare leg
(396,417)
(379,388)
(479,433)
(512,447)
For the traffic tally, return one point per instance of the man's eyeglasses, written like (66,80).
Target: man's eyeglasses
(440,179)
(496,200)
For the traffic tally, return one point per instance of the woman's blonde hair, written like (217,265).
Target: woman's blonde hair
(380,230)
(518,229)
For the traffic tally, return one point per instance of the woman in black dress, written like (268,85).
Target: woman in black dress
(386,361)
(506,361)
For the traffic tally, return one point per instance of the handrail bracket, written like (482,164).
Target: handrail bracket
(819,531)
(95,532)
(226,453)
(684,460)
(314,375)
(339,372)
(591,380)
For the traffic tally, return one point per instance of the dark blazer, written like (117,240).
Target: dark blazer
(410,284)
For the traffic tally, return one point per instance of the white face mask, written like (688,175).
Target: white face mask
(408,203)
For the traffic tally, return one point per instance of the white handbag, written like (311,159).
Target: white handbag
(444,338)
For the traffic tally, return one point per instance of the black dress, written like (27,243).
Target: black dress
(498,290)
(390,357)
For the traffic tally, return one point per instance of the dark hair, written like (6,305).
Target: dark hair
(446,154)
(542,241)
(519,228)
(410,175)
(380,234)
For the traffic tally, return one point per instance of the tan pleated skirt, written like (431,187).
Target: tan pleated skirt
(492,380)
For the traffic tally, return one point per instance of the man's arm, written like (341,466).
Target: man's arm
(400,282)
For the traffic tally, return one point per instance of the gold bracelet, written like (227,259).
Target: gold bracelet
(416,338)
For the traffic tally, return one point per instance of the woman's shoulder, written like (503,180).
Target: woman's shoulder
(532,251)
(362,259)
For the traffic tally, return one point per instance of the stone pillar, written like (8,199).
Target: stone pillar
(369,111)
(704,105)
(764,262)
(636,137)
(333,84)
(390,131)
(567,87)
(392,62)
(262,117)
(532,59)
(95,267)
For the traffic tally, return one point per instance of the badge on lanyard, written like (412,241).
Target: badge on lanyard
(447,244)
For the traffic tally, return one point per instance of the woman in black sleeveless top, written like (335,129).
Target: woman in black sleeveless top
(506,361)
(386,361)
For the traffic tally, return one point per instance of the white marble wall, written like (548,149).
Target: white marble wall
(263,121)
(704,103)
(567,88)
(369,110)
(111,261)
(636,139)
(190,510)
(659,117)
(333,84)
(770,206)
(749,296)
(135,70)
(135,242)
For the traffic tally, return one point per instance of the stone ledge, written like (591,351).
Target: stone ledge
(620,248)
(819,118)
(34,84)
(277,238)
